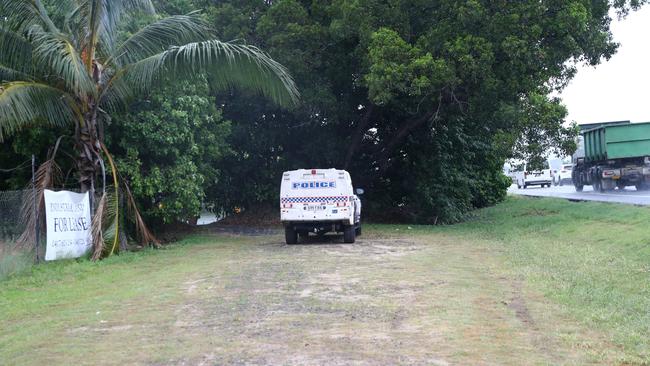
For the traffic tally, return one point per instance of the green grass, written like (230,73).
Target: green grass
(592,258)
(578,273)
(14,260)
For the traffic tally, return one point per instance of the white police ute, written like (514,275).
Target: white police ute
(319,201)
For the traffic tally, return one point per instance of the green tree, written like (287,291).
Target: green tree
(74,70)
(421,100)
(170,148)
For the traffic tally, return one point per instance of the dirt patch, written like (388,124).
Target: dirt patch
(518,304)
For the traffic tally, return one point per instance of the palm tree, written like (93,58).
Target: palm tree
(77,71)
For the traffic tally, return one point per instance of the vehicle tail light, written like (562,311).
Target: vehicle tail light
(313,171)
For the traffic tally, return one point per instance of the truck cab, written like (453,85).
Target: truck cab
(319,201)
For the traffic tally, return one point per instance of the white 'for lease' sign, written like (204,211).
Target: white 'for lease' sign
(67,219)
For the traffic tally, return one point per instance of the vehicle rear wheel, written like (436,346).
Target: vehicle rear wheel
(348,234)
(290,235)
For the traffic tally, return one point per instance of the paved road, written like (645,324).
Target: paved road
(629,195)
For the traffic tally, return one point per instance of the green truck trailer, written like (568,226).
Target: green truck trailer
(614,156)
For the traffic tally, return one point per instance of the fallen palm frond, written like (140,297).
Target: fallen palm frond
(105,226)
(46,176)
(96,228)
(145,236)
(106,221)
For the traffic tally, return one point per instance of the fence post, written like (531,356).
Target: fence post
(36,218)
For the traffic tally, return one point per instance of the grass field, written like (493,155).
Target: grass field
(13,259)
(530,281)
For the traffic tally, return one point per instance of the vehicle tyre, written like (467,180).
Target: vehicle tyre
(357,231)
(348,234)
(290,235)
(302,236)
(518,186)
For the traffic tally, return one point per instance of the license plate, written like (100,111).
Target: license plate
(315,208)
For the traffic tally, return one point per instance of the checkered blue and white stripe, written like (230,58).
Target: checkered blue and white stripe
(313,199)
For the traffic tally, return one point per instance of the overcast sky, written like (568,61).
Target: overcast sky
(618,89)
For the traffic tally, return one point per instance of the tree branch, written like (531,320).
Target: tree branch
(357,137)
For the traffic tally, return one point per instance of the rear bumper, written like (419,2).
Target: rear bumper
(317,226)
(537,182)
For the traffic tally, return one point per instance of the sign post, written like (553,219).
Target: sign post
(67,218)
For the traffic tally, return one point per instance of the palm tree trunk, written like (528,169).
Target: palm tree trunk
(88,150)
(88,140)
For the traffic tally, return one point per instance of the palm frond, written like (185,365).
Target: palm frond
(145,236)
(15,51)
(228,65)
(56,53)
(117,96)
(115,225)
(46,176)
(23,102)
(25,13)
(96,229)
(105,16)
(9,74)
(158,36)
(105,226)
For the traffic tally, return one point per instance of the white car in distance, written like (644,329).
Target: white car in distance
(526,178)
(563,175)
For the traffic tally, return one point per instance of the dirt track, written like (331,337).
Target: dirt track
(388,299)
(379,301)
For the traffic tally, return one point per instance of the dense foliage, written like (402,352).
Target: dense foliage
(169,147)
(421,100)
(75,64)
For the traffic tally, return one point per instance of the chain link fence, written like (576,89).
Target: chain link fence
(14,256)
(11,203)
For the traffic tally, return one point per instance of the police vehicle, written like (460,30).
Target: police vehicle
(319,201)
